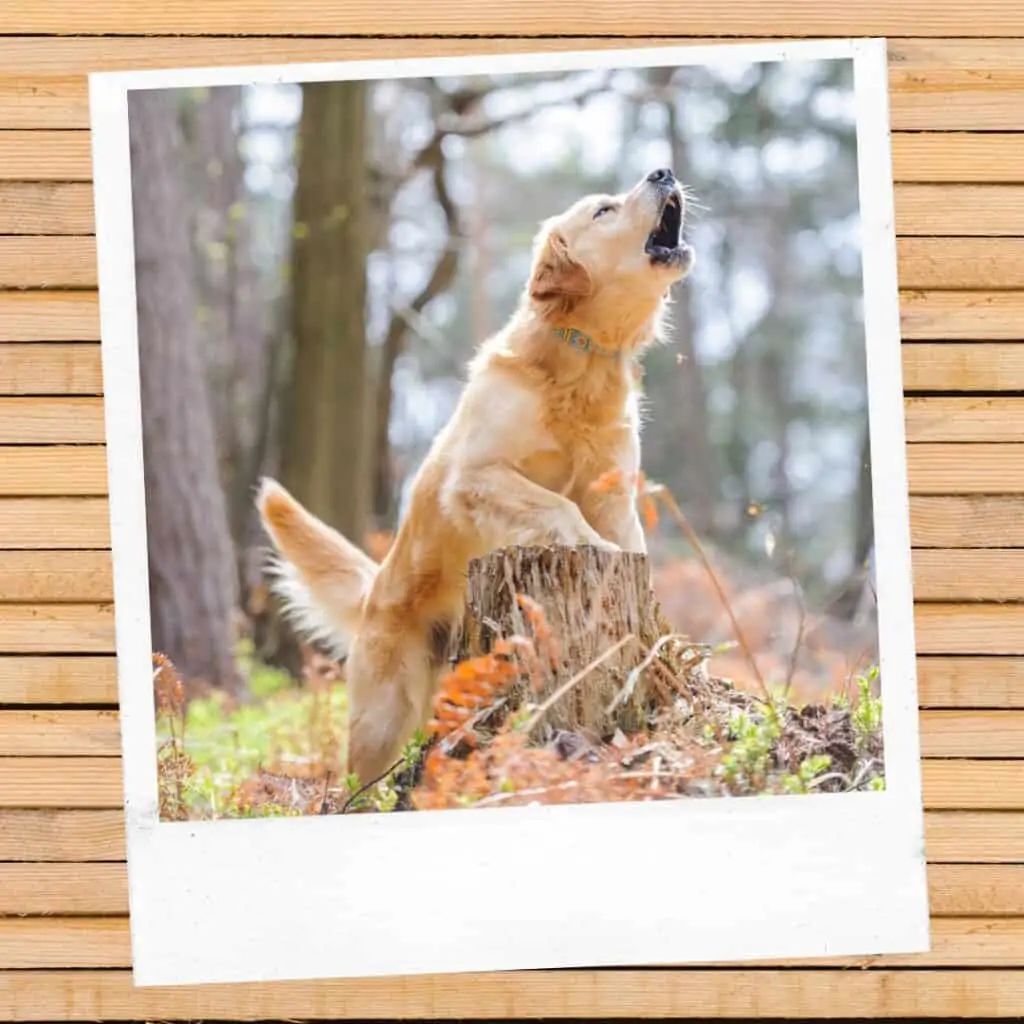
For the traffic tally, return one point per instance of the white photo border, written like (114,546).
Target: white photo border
(537,887)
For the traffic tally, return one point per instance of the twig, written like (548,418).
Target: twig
(631,680)
(661,491)
(570,683)
(794,654)
(369,785)
(323,800)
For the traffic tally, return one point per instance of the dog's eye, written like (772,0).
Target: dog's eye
(602,210)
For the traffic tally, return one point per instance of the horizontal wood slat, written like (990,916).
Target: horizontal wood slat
(68,782)
(84,942)
(51,369)
(92,679)
(66,208)
(946,419)
(34,576)
(942,682)
(35,471)
(791,18)
(940,574)
(54,522)
(694,993)
(950,783)
(955,890)
(73,420)
(59,835)
(917,157)
(45,208)
(937,521)
(982,837)
(29,419)
(934,84)
(52,262)
(95,733)
(967,522)
(925,315)
(89,629)
(75,369)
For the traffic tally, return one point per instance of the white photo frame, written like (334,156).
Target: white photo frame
(333,897)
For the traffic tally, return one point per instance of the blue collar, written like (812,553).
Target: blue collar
(585,343)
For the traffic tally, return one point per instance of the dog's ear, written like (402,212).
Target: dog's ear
(557,278)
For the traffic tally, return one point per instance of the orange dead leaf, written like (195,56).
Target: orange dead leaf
(607,481)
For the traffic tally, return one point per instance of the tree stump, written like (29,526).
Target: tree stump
(590,601)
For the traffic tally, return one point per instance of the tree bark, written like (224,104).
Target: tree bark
(700,485)
(589,600)
(193,591)
(326,458)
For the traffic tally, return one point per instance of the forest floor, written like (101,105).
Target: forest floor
(282,752)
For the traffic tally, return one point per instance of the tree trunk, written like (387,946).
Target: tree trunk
(325,461)
(191,562)
(697,470)
(589,601)
(237,336)
(849,599)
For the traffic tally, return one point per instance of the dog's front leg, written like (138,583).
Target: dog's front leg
(614,515)
(507,508)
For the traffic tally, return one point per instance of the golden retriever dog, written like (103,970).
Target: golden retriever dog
(550,406)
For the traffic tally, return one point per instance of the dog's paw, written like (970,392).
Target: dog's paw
(602,545)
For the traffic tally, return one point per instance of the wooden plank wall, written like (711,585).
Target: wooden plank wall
(957,86)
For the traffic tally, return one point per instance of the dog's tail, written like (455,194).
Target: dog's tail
(322,578)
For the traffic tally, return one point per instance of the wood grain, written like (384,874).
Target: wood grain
(697,993)
(953,628)
(27,419)
(952,419)
(955,890)
(962,264)
(52,421)
(63,782)
(962,836)
(63,835)
(54,522)
(45,208)
(46,679)
(995,18)
(925,315)
(940,574)
(917,157)
(970,682)
(103,942)
(32,576)
(95,733)
(950,782)
(75,369)
(50,369)
(38,470)
(62,208)
(934,84)
(967,522)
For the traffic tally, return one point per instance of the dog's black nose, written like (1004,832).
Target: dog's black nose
(662,176)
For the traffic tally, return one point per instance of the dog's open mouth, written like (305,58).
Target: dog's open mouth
(664,244)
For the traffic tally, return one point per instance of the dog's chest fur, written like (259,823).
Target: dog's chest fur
(591,432)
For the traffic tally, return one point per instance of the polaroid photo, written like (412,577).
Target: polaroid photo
(509,512)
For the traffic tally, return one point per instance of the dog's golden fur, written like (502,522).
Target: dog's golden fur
(538,422)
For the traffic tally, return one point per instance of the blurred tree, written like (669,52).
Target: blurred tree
(191,562)
(235,310)
(325,460)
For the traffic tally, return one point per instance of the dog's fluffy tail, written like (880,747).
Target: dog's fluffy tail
(321,577)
